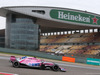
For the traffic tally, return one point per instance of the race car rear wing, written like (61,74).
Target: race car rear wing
(12,58)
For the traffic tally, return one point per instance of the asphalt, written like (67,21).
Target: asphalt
(72,68)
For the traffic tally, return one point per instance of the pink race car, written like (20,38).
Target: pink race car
(34,62)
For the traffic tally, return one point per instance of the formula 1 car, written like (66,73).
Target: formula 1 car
(34,62)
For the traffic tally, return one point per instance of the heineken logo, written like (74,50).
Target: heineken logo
(77,17)
(69,16)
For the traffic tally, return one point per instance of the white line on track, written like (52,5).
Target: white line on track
(1,57)
(78,66)
(93,73)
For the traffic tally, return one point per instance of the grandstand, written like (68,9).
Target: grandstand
(83,44)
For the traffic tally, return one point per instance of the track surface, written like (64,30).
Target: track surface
(72,69)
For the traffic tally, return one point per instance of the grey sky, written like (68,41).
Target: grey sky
(85,5)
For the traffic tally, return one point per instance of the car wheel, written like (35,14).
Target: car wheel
(55,67)
(16,64)
(43,67)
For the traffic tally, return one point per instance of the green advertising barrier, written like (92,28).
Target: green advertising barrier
(93,61)
(80,60)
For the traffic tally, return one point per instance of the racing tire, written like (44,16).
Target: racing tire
(16,64)
(55,67)
(42,67)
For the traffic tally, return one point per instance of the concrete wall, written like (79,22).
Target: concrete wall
(31,53)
